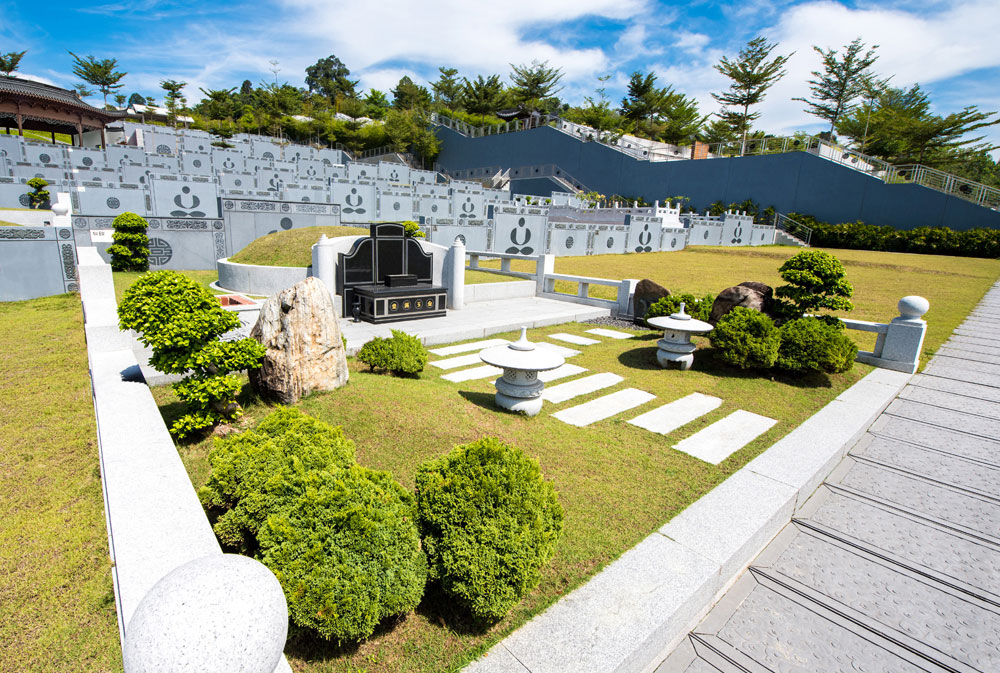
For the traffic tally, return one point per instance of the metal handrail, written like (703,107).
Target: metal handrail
(794,229)
(978,193)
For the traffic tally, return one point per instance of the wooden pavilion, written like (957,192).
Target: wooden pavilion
(33,106)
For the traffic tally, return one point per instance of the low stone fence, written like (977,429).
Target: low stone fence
(260,280)
(899,341)
(155,522)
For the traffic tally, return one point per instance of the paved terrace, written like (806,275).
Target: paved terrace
(475,321)
(894,563)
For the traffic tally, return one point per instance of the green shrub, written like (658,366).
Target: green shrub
(346,551)
(182,322)
(401,354)
(814,345)
(746,339)
(130,251)
(254,470)
(40,196)
(698,308)
(413,229)
(921,240)
(489,523)
(816,280)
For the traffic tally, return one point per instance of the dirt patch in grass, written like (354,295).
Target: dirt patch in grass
(57,610)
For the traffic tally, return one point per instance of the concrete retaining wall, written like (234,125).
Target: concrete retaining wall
(503,290)
(36,262)
(262,280)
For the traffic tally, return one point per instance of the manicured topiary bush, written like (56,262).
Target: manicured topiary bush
(182,322)
(402,354)
(253,471)
(746,339)
(489,523)
(130,251)
(346,551)
(413,229)
(39,196)
(815,345)
(816,280)
(698,308)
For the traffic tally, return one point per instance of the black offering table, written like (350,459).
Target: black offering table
(388,277)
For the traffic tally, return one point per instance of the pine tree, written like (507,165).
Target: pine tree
(173,98)
(752,75)
(10,61)
(841,82)
(535,86)
(447,88)
(100,73)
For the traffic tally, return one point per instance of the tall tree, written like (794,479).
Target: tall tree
(376,104)
(597,113)
(173,98)
(120,100)
(82,91)
(752,74)
(447,88)
(408,95)
(902,129)
(643,100)
(331,78)
(10,61)
(841,82)
(483,95)
(100,73)
(535,86)
(136,99)
(681,119)
(218,103)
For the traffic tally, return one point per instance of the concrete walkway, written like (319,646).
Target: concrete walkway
(894,563)
(475,321)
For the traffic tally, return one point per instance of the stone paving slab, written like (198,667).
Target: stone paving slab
(584,386)
(673,415)
(458,361)
(957,339)
(917,494)
(976,334)
(945,418)
(960,444)
(951,362)
(555,348)
(465,348)
(610,333)
(603,407)
(485,371)
(952,344)
(573,339)
(936,368)
(947,400)
(957,387)
(719,440)
(966,354)
(560,372)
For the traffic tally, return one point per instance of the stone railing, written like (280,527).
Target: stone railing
(899,341)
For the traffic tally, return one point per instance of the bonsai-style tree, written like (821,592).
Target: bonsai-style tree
(130,251)
(10,61)
(182,322)
(98,72)
(816,280)
(40,196)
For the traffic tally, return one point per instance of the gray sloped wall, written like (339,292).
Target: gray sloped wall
(792,182)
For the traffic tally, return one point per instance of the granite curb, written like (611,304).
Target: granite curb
(628,617)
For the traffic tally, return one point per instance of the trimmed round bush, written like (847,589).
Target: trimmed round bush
(746,339)
(130,251)
(254,471)
(489,523)
(698,308)
(402,354)
(816,280)
(815,345)
(346,552)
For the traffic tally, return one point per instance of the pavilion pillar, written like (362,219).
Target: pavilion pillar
(53,137)
(79,133)
(20,124)
(104,140)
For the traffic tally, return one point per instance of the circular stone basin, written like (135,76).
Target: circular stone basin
(519,389)
(675,347)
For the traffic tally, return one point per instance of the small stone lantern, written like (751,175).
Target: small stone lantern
(675,346)
(519,389)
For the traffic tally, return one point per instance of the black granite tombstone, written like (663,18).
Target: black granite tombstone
(388,277)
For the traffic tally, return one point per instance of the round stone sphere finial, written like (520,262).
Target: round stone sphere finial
(59,209)
(217,614)
(912,307)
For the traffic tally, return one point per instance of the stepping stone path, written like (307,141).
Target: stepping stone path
(610,333)
(465,348)
(669,417)
(604,407)
(482,372)
(716,442)
(574,339)
(560,372)
(561,350)
(458,361)
(588,384)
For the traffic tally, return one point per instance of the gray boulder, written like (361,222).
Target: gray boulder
(305,351)
(646,294)
(752,295)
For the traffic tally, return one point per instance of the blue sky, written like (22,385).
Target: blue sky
(948,47)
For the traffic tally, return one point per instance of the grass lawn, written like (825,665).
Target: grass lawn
(4,223)
(952,285)
(57,609)
(616,482)
(61,138)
